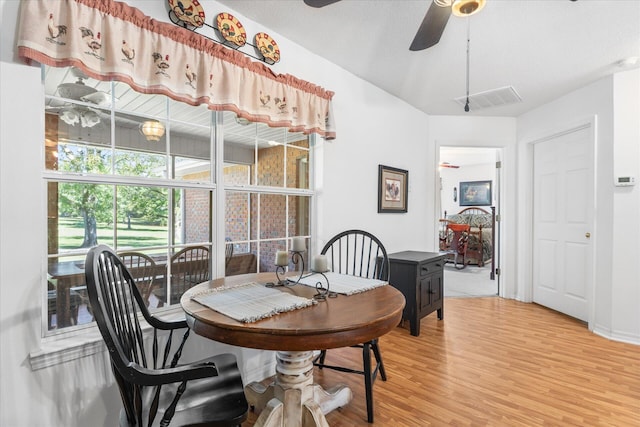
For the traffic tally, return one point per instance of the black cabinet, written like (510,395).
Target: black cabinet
(420,277)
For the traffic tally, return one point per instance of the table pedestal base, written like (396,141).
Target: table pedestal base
(293,400)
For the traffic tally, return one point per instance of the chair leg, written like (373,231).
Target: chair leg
(376,352)
(368,381)
(320,359)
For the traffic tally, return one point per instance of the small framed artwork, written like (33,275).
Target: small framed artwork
(393,189)
(475,193)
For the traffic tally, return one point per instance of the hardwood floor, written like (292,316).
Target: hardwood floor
(495,362)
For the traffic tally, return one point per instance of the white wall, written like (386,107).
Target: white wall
(612,103)
(625,299)
(373,128)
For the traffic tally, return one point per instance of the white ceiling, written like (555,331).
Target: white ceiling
(543,48)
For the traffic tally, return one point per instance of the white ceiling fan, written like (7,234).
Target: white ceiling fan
(72,113)
(434,21)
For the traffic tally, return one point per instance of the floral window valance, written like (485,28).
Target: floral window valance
(110,40)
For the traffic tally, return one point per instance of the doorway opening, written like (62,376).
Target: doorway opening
(470,194)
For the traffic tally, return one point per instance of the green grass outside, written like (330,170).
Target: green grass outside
(71,234)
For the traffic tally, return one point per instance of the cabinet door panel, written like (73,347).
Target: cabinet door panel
(425,294)
(437,287)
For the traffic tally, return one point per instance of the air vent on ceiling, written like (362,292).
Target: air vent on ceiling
(491,98)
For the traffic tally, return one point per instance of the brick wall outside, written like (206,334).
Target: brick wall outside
(197,216)
(238,205)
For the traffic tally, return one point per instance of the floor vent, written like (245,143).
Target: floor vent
(491,98)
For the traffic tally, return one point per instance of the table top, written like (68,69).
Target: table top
(414,256)
(337,322)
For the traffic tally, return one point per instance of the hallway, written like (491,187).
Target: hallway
(471,281)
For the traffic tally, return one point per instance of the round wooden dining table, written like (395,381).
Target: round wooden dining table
(293,400)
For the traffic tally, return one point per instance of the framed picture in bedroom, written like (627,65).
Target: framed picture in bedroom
(475,193)
(393,189)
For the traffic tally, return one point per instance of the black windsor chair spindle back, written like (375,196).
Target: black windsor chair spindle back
(155,390)
(359,253)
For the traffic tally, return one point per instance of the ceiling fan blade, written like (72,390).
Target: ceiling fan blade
(448,165)
(319,3)
(431,28)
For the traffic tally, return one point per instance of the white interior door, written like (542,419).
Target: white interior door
(563,218)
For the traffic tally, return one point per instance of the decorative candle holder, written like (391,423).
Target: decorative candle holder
(280,282)
(296,256)
(323,293)
(318,266)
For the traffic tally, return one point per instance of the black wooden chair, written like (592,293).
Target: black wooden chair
(189,267)
(228,251)
(359,253)
(143,269)
(75,301)
(155,390)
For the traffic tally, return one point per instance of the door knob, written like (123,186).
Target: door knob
(587,235)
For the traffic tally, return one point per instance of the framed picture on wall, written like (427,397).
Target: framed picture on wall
(392,189)
(475,193)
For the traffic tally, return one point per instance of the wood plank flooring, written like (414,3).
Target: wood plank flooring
(494,362)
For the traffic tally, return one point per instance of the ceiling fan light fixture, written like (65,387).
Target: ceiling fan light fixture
(152,130)
(464,8)
(70,117)
(89,119)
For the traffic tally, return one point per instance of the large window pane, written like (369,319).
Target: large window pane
(137,155)
(268,251)
(77,119)
(188,266)
(191,151)
(142,217)
(273,219)
(80,215)
(194,116)
(298,166)
(150,196)
(192,216)
(136,163)
(299,216)
(130,101)
(85,215)
(237,174)
(66,292)
(237,214)
(79,154)
(271,165)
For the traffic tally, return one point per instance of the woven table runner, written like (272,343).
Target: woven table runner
(250,302)
(343,283)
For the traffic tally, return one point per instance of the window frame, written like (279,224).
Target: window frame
(114,179)
(254,187)
(87,333)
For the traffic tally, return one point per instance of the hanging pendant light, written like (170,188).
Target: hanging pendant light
(466,106)
(152,130)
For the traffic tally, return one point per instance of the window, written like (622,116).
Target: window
(155,195)
(108,183)
(267,193)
